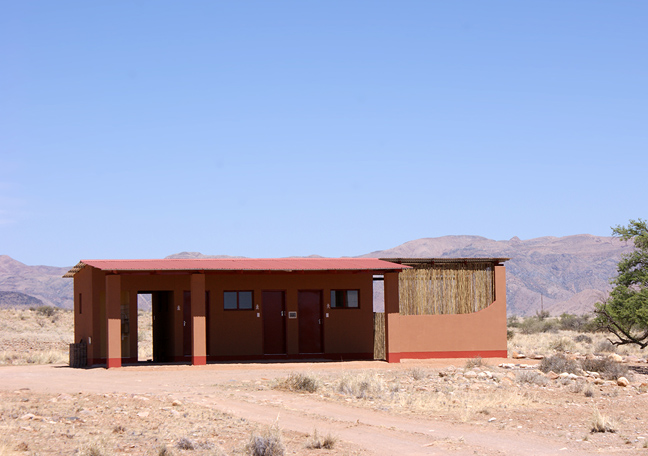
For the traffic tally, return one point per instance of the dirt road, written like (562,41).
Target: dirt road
(217,387)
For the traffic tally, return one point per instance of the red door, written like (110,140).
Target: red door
(274,323)
(309,315)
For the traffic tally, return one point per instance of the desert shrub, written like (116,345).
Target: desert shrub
(270,443)
(417,373)
(589,391)
(164,451)
(364,385)
(300,382)
(46,311)
(531,376)
(562,344)
(580,323)
(559,364)
(601,423)
(608,369)
(605,346)
(316,442)
(535,325)
(583,339)
(513,321)
(474,362)
(510,334)
(93,450)
(185,444)
(576,387)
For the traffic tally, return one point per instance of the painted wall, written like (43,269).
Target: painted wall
(480,333)
(347,333)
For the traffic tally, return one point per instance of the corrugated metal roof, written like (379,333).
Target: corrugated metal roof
(241,264)
(445,260)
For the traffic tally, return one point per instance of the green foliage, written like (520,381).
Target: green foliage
(538,324)
(625,312)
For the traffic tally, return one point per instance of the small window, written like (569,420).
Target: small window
(345,299)
(80,303)
(237,300)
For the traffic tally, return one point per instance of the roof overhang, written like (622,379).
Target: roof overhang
(373,265)
(434,261)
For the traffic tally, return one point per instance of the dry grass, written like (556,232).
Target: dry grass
(568,342)
(308,383)
(317,442)
(268,443)
(35,336)
(601,423)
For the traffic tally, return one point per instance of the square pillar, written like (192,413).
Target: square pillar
(198,321)
(392,306)
(113,317)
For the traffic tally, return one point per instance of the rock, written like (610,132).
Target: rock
(28,416)
(143,414)
(470,374)
(517,355)
(176,403)
(599,381)
(490,420)
(616,358)
(622,381)
(552,375)
(538,357)
(506,381)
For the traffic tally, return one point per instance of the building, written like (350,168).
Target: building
(291,308)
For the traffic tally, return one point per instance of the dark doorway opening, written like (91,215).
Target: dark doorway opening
(144,327)
(274,323)
(162,309)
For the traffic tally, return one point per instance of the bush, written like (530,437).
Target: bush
(608,369)
(562,344)
(475,362)
(185,444)
(513,321)
(535,325)
(559,364)
(531,376)
(363,386)
(269,443)
(46,311)
(602,423)
(605,346)
(316,442)
(300,382)
(582,338)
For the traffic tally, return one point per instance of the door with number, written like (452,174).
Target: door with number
(309,315)
(274,322)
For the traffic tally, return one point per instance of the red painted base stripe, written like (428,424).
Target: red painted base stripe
(198,360)
(113,362)
(397,357)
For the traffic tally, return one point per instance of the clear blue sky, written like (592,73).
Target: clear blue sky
(137,129)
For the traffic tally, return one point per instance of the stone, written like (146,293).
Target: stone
(622,381)
(552,375)
(176,403)
(517,355)
(616,358)
(470,374)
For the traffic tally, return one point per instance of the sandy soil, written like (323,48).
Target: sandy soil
(137,410)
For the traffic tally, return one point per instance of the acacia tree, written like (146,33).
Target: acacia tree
(625,312)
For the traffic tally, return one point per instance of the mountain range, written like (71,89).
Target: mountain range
(557,274)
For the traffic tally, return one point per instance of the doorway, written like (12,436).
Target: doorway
(162,310)
(274,322)
(309,314)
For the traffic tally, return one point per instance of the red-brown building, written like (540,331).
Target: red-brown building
(244,309)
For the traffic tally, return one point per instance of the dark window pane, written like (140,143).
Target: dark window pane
(352,298)
(337,298)
(229,299)
(245,299)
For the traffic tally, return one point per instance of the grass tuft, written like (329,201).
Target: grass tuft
(300,382)
(270,443)
(601,423)
(608,368)
(317,442)
(559,364)
(185,444)
(531,376)
(475,362)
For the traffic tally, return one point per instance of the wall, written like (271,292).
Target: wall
(233,334)
(480,333)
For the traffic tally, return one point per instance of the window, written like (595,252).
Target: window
(80,303)
(347,299)
(237,300)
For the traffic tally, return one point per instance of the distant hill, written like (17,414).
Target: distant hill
(14,299)
(41,282)
(568,274)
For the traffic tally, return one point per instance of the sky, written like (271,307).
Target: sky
(139,129)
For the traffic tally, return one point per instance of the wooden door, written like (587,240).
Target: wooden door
(309,315)
(186,323)
(274,323)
